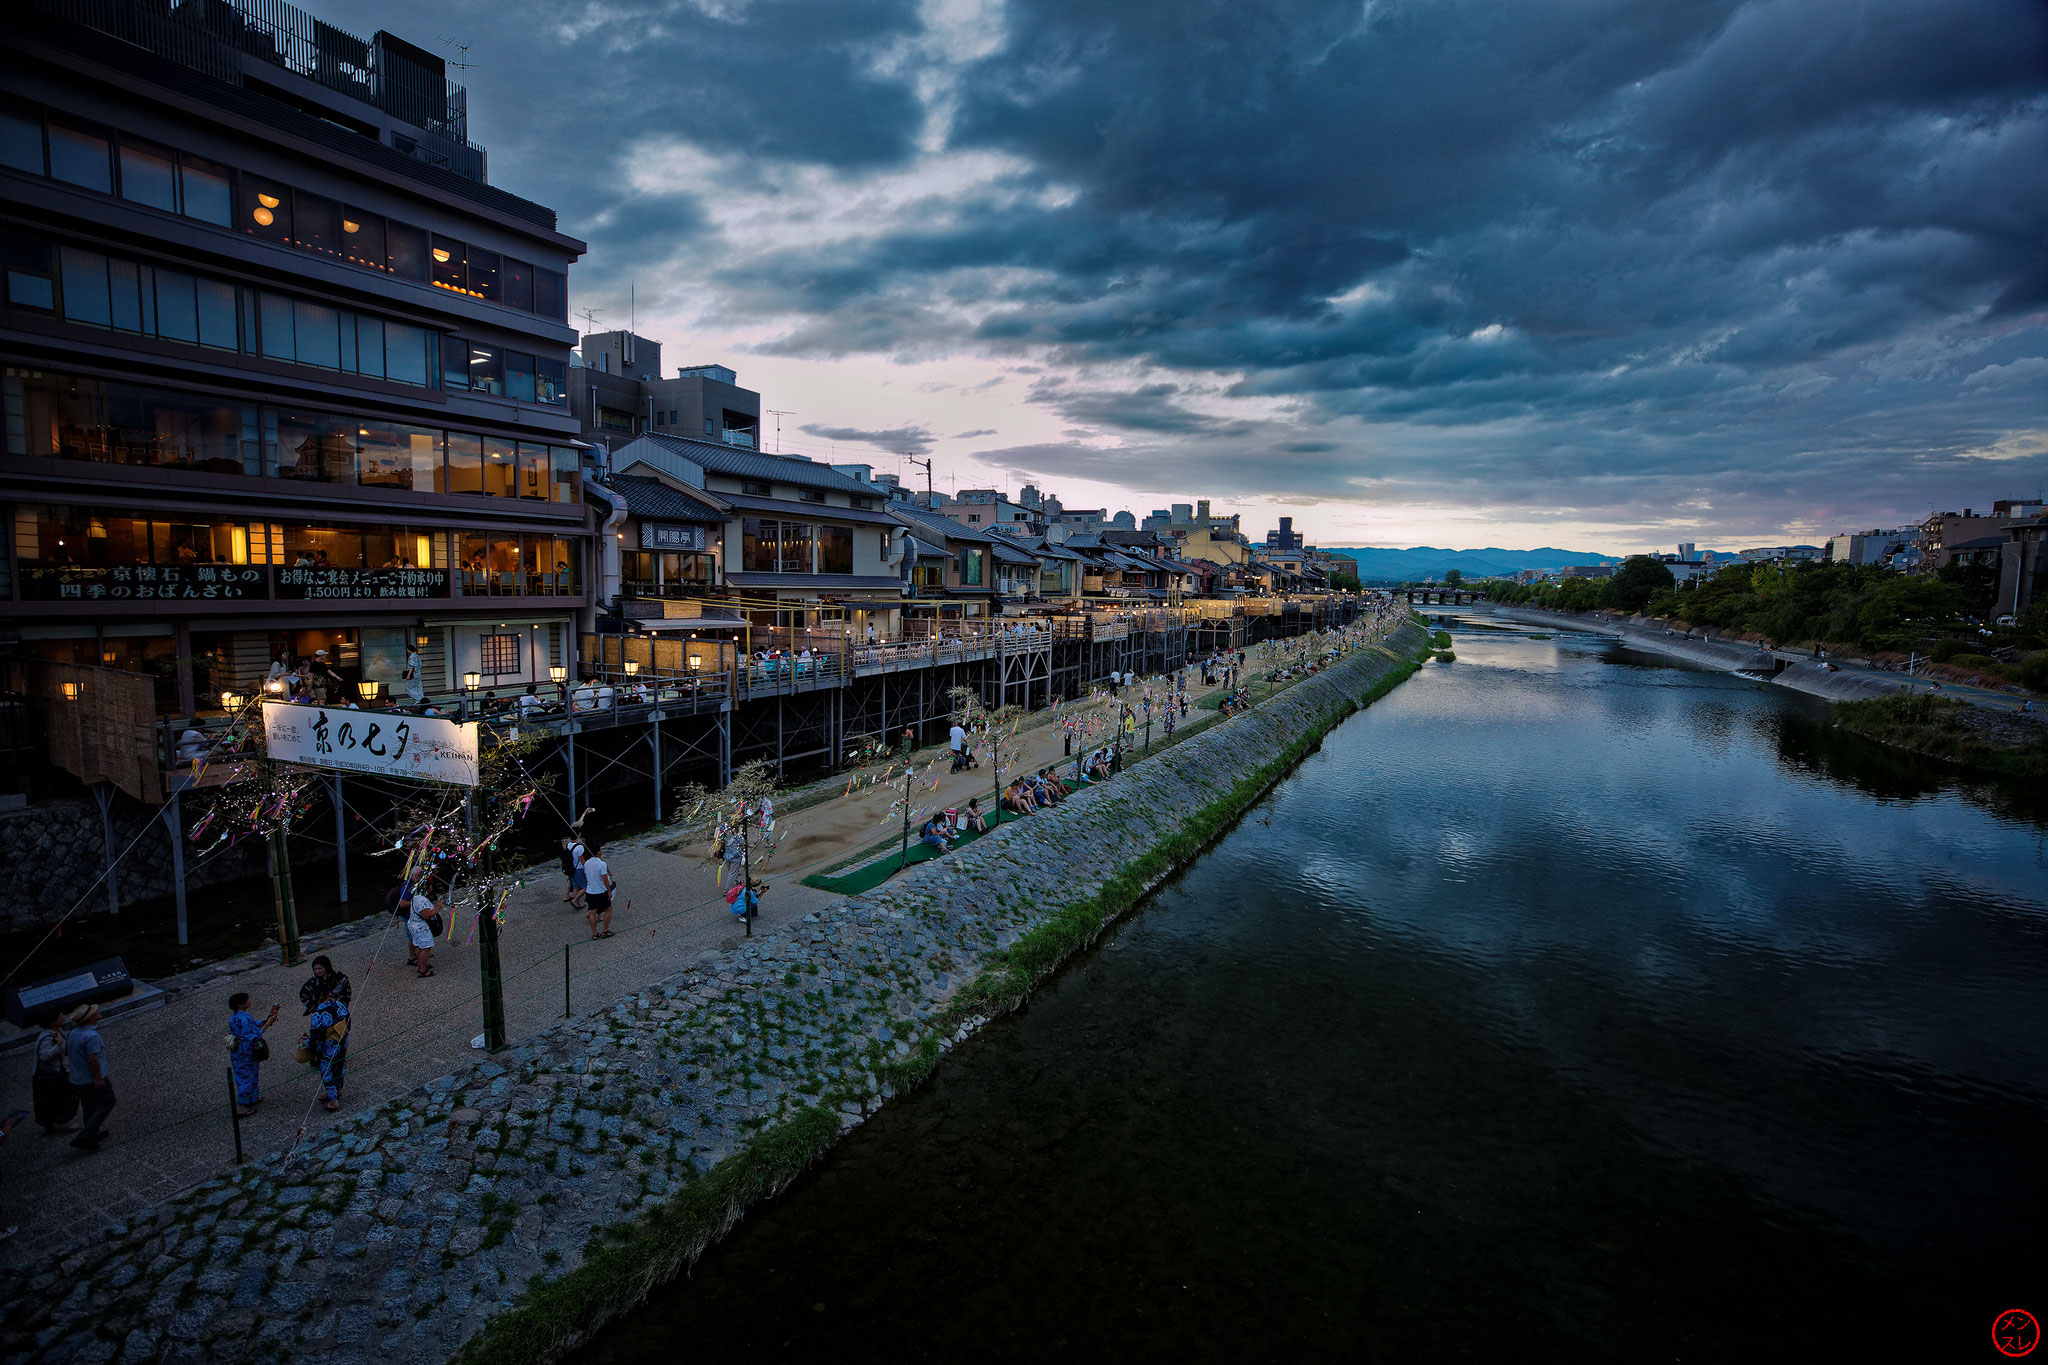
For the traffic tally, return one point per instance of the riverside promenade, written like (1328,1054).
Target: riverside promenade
(1798,671)
(399,1226)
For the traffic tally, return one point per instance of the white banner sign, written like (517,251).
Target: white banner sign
(384,743)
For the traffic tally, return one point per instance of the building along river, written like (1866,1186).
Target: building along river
(1566,1005)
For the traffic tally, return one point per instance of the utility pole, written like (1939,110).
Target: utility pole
(779,414)
(929,496)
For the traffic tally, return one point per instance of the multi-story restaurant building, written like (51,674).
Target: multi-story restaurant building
(282,371)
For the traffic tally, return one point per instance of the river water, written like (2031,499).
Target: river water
(1565,1006)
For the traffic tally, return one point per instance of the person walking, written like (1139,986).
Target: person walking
(568,870)
(86,1056)
(247,1051)
(422,923)
(957,739)
(56,1103)
(337,983)
(597,895)
(325,1046)
(415,687)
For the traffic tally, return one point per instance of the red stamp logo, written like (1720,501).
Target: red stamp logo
(2015,1332)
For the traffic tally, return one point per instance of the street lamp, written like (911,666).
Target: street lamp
(231,702)
(470,683)
(275,687)
(370,688)
(632,667)
(557,674)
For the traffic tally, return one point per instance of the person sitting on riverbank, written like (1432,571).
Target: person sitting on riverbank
(971,818)
(1016,799)
(1060,790)
(936,835)
(1098,766)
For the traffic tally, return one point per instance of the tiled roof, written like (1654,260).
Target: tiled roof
(816,511)
(927,525)
(647,497)
(715,457)
(1010,552)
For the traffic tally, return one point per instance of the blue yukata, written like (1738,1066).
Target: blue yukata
(244,1033)
(329,1043)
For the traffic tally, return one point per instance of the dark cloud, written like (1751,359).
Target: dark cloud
(1707,259)
(970,435)
(903,440)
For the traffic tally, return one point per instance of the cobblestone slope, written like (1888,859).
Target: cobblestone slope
(502,1211)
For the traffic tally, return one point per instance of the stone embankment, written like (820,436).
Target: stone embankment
(502,1212)
(1799,673)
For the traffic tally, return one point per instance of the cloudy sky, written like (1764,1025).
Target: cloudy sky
(1605,274)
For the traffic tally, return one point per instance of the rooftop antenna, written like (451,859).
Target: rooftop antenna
(780,413)
(590,317)
(461,60)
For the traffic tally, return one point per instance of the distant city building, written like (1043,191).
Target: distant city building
(1284,537)
(1873,547)
(617,392)
(1124,521)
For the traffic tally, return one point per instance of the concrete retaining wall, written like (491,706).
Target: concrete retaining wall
(465,1217)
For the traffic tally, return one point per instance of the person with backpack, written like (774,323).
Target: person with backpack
(422,925)
(597,894)
(325,1045)
(56,1103)
(247,1051)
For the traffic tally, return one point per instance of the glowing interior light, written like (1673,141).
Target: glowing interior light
(264,217)
(347,226)
(268,201)
(440,255)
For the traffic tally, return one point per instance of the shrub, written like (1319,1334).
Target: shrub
(2033,671)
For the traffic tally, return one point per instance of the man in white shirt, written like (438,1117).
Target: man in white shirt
(958,740)
(597,895)
(530,702)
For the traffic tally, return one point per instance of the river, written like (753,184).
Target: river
(1566,1006)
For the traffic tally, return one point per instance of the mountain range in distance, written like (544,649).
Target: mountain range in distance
(1427,561)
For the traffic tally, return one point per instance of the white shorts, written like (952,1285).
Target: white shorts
(421,935)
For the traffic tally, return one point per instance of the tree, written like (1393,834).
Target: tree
(1976,584)
(1453,577)
(1637,580)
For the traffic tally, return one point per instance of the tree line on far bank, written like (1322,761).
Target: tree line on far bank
(1841,605)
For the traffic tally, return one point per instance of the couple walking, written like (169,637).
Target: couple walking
(591,886)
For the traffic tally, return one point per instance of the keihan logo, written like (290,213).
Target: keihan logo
(2015,1332)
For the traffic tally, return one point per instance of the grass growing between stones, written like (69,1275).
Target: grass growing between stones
(624,1262)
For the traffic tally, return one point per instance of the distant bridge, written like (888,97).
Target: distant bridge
(1448,597)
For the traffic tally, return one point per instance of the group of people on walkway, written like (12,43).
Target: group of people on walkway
(72,1087)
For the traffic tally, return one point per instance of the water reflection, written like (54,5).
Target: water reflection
(1558,1009)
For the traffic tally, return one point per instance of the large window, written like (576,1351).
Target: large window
(835,549)
(129,296)
(178,182)
(314,447)
(75,418)
(776,546)
(970,566)
(398,457)
(465,462)
(91,419)
(477,367)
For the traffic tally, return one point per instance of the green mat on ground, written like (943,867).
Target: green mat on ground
(868,876)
